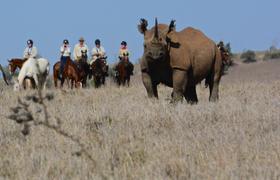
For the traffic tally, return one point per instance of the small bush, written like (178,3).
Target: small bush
(272,53)
(248,56)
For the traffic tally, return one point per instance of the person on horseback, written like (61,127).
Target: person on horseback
(124,55)
(81,46)
(30,51)
(221,46)
(123,52)
(65,51)
(98,52)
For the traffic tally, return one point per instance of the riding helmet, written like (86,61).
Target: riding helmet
(29,41)
(65,41)
(123,43)
(97,42)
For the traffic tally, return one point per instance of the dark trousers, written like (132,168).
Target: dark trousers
(63,60)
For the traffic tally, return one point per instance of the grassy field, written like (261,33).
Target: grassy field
(121,134)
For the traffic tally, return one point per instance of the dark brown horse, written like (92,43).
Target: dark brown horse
(70,72)
(99,70)
(124,71)
(15,63)
(84,68)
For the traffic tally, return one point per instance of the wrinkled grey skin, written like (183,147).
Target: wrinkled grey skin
(165,50)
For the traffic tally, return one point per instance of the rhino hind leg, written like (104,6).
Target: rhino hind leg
(190,94)
(214,88)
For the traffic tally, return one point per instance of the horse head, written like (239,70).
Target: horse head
(84,55)
(14,64)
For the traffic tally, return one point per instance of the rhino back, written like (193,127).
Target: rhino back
(196,52)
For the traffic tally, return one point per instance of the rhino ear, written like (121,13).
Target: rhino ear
(172,26)
(173,40)
(142,27)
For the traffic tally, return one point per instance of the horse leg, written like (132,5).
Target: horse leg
(128,81)
(68,82)
(36,79)
(72,84)
(55,82)
(62,82)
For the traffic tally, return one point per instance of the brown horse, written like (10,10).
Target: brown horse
(124,71)
(15,63)
(70,72)
(84,68)
(99,70)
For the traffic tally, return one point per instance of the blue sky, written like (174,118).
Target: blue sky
(247,24)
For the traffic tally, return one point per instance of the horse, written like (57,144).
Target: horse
(36,69)
(15,63)
(99,70)
(70,72)
(84,68)
(124,70)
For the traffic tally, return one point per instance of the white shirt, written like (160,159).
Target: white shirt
(78,51)
(30,53)
(65,50)
(98,51)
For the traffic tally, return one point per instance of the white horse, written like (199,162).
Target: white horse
(36,69)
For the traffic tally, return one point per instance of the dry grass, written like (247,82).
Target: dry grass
(132,137)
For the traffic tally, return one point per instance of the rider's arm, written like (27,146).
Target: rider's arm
(94,52)
(103,52)
(25,53)
(75,53)
(62,50)
(86,47)
(68,50)
(34,52)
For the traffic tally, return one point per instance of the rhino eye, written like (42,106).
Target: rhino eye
(160,39)
(145,46)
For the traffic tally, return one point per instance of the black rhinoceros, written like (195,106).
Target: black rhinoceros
(179,60)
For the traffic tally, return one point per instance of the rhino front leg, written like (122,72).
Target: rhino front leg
(180,80)
(150,86)
(190,94)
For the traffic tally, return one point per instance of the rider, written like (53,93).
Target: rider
(124,55)
(65,51)
(81,46)
(30,51)
(98,52)
(221,46)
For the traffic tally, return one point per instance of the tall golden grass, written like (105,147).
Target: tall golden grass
(132,137)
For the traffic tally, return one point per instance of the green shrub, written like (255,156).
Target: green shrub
(248,56)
